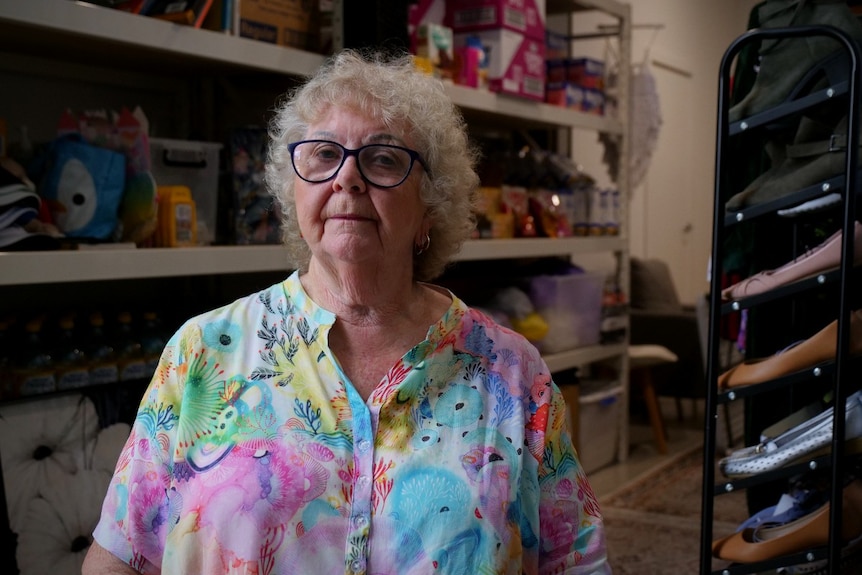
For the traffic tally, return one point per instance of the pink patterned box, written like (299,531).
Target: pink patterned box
(516,63)
(524,16)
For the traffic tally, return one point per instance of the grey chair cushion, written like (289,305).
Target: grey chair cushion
(652,287)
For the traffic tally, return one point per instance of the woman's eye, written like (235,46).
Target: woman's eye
(327,153)
(385,158)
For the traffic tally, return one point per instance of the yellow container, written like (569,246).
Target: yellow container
(177,217)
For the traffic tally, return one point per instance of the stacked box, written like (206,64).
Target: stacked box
(512,34)
(285,22)
(526,17)
(515,63)
(586,72)
(576,83)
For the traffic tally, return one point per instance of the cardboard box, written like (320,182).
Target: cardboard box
(516,63)
(586,72)
(569,95)
(285,22)
(524,16)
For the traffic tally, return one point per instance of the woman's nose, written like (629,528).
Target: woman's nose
(348,177)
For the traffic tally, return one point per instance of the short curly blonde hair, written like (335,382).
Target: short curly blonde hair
(392,90)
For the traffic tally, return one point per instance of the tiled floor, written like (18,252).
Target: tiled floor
(643,457)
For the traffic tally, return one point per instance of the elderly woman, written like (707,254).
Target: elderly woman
(353,418)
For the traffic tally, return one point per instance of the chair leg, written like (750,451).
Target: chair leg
(653,409)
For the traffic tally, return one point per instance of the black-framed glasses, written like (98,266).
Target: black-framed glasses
(382,165)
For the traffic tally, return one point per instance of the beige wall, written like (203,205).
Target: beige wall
(671,210)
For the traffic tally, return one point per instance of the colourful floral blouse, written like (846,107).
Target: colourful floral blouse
(252,454)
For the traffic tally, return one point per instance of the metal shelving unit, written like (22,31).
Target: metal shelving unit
(70,35)
(834,376)
(71,31)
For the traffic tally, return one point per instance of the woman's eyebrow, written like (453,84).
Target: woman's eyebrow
(386,138)
(383,138)
(323,135)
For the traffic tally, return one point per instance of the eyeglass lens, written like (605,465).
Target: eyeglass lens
(380,164)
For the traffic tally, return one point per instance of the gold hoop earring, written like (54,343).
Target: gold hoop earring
(425,245)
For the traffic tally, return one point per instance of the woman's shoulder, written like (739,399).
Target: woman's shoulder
(503,336)
(242,311)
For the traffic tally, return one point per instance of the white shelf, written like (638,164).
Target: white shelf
(582,356)
(75,32)
(74,29)
(613,7)
(62,28)
(528,111)
(22,268)
(538,247)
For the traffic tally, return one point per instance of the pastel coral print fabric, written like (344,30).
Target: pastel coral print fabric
(252,454)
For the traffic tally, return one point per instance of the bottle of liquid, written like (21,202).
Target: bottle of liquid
(130,356)
(34,367)
(70,363)
(100,351)
(177,217)
(152,342)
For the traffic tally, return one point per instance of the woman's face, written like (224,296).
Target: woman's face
(347,219)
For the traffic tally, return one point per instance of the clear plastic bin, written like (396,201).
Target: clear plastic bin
(572,307)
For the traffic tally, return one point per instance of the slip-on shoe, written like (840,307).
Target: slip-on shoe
(822,258)
(794,504)
(808,439)
(816,349)
(812,530)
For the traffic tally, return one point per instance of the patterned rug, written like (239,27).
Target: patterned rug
(653,526)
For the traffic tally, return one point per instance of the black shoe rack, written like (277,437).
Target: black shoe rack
(786,313)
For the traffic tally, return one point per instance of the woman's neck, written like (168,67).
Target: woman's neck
(362,295)
(378,316)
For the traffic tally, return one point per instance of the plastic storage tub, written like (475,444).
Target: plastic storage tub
(192,164)
(599,423)
(572,306)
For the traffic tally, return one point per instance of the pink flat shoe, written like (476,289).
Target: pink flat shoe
(824,257)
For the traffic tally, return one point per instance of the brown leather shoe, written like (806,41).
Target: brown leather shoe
(818,348)
(762,543)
